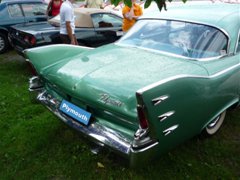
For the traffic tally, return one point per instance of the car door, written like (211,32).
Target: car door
(34,12)
(108,27)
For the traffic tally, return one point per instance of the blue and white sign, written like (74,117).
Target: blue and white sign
(75,112)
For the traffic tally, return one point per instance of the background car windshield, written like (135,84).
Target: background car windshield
(180,38)
(34,9)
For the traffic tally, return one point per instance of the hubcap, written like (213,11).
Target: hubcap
(213,123)
(214,126)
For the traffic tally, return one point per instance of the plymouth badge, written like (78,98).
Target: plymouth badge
(106,99)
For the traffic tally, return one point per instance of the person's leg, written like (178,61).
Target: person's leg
(65,39)
(76,42)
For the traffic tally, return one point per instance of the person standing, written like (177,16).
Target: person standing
(130,15)
(67,26)
(53,8)
(94,4)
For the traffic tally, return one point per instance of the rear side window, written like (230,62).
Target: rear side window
(34,9)
(106,20)
(15,10)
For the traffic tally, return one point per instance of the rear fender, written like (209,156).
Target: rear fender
(178,108)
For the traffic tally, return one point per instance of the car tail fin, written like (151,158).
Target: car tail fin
(45,56)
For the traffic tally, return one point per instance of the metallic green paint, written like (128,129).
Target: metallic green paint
(180,97)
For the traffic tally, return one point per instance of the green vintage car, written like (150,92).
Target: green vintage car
(171,77)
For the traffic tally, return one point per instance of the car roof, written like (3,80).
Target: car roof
(224,16)
(83,16)
(215,14)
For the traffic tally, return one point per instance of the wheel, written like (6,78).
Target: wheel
(3,43)
(215,125)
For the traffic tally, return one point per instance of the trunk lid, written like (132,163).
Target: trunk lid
(36,28)
(109,76)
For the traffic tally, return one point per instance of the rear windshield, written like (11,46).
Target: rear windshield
(176,37)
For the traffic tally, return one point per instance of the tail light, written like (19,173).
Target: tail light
(142,118)
(30,39)
(33,40)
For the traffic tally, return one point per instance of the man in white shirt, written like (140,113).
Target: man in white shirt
(94,4)
(67,25)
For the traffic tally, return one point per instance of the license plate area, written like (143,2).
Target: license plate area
(75,112)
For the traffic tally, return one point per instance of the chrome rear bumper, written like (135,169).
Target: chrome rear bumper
(98,133)
(134,149)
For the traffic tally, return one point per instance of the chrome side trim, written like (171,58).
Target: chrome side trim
(165,116)
(140,91)
(144,149)
(160,99)
(61,45)
(170,130)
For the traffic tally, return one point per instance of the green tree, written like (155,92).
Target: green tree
(160,3)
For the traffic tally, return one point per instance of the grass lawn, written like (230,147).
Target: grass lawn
(36,145)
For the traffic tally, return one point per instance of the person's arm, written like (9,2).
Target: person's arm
(140,13)
(85,3)
(102,5)
(49,7)
(69,32)
(126,13)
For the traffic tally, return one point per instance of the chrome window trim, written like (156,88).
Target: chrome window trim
(195,22)
(238,41)
(174,55)
(179,56)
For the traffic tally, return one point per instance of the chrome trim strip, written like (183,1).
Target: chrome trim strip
(144,149)
(170,130)
(59,45)
(165,116)
(238,41)
(159,99)
(140,91)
